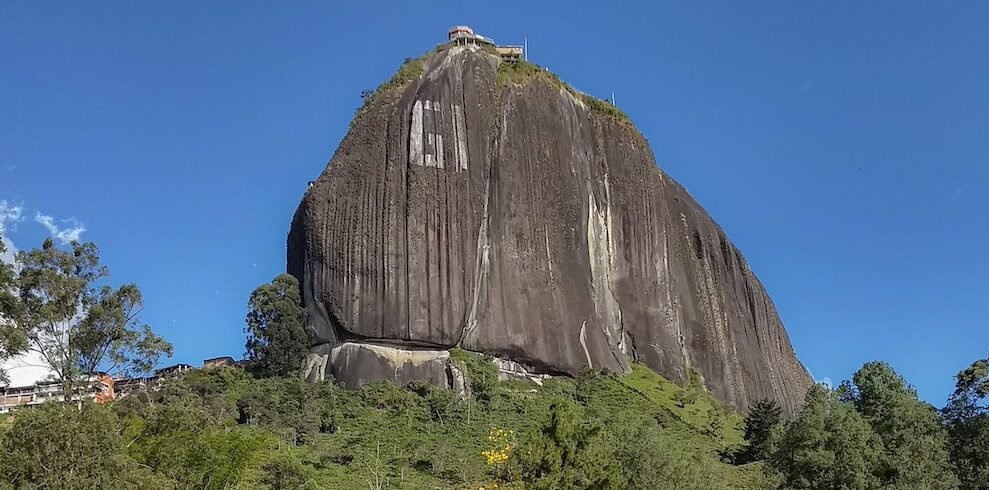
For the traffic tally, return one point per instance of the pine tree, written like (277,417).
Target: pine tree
(762,418)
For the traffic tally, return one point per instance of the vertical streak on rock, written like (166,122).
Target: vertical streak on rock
(480,262)
(434,270)
(674,315)
(463,235)
(600,257)
(461,136)
(583,343)
(414,140)
(416,156)
(383,276)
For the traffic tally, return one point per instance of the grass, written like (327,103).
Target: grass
(517,73)
(521,72)
(691,404)
(410,71)
(605,109)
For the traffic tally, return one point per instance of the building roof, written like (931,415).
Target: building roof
(461,29)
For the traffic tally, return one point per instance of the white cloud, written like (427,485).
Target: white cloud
(66,235)
(9,214)
(13,215)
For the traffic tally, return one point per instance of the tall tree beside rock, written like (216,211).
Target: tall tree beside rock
(78,326)
(915,448)
(827,445)
(967,419)
(763,416)
(277,339)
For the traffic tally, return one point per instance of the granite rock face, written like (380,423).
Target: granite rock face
(514,216)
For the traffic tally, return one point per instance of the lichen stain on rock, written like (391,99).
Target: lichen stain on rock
(520,221)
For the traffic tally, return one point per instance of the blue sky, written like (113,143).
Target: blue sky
(842,145)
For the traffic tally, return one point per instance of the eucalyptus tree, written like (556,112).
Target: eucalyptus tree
(76,322)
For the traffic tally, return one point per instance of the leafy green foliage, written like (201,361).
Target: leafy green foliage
(690,405)
(521,72)
(109,337)
(222,428)
(482,375)
(967,419)
(284,471)
(606,109)
(410,71)
(277,339)
(872,433)
(568,453)
(915,451)
(65,447)
(828,445)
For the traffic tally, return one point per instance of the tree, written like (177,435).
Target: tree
(828,445)
(915,451)
(277,339)
(59,446)
(651,459)
(366,95)
(77,328)
(568,453)
(284,471)
(967,419)
(762,418)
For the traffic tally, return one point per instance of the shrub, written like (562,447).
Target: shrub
(605,109)
(410,71)
(482,375)
(65,447)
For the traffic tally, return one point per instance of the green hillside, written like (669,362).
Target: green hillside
(221,428)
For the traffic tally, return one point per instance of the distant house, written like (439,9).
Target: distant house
(105,388)
(99,387)
(225,361)
(510,53)
(462,35)
(465,36)
(126,386)
(174,370)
